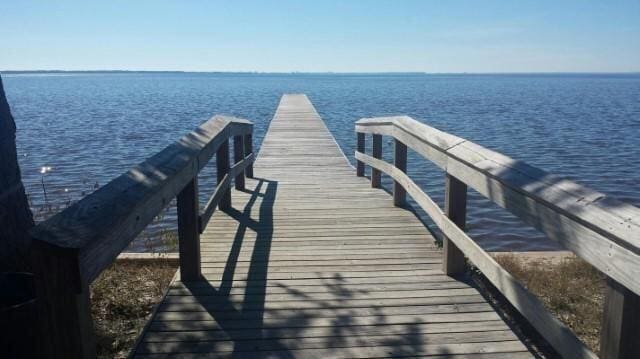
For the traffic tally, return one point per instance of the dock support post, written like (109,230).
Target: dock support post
(400,162)
(455,208)
(238,155)
(248,149)
(189,232)
(222,167)
(620,323)
(377,153)
(360,148)
(64,310)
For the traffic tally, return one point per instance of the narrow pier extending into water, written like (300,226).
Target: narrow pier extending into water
(298,254)
(311,261)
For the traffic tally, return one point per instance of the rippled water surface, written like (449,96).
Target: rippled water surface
(90,128)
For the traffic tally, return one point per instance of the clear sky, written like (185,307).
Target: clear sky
(322,35)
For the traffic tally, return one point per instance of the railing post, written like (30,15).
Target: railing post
(248,149)
(360,148)
(222,166)
(189,232)
(65,323)
(620,323)
(238,155)
(377,153)
(455,208)
(400,162)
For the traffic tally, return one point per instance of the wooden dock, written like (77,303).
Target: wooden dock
(311,262)
(298,254)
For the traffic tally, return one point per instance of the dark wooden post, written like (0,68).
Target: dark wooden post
(189,232)
(455,208)
(248,149)
(400,162)
(377,153)
(65,323)
(360,148)
(238,155)
(620,323)
(222,166)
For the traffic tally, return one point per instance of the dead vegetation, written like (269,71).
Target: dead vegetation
(122,300)
(570,288)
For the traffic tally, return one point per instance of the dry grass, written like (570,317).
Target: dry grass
(570,288)
(122,299)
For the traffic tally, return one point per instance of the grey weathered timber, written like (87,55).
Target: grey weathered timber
(311,262)
(455,207)
(376,177)
(73,247)
(360,148)
(620,323)
(189,231)
(597,228)
(238,155)
(400,161)
(222,173)
(248,149)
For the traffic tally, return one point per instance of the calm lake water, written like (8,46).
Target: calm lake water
(89,128)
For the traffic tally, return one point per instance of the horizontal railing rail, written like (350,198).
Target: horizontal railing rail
(73,247)
(602,231)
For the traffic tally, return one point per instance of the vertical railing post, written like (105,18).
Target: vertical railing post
(377,153)
(222,169)
(248,148)
(189,232)
(360,148)
(400,162)
(63,300)
(238,155)
(455,208)
(620,323)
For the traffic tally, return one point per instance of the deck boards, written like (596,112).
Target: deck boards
(311,262)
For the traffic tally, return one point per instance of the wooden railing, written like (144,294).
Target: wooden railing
(602,231)
(73,247)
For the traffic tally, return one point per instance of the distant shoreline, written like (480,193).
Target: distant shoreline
(411,73)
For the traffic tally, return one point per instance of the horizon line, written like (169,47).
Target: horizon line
(321,72)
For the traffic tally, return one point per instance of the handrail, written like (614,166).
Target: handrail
(598,229)
(73,247)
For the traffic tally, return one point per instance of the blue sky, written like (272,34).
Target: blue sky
(339,36)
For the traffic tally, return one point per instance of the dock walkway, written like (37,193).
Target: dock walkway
(311,261)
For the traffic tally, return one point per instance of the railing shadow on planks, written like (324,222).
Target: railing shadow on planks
(72,248)
(602,231)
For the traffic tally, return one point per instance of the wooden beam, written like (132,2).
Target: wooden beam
(400,162)
(455,207)
(377,153)
(238,155)
(248,149)
(620,323)
(65,324)
(189,232)
(222,167)
(360,147)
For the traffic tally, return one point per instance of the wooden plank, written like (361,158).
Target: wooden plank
(360,147)
(400,161)
(189,232)
(620,323)
(222,172)
(238,155)
(377,153)
(455,207)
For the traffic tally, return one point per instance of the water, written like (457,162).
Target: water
(90,128)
